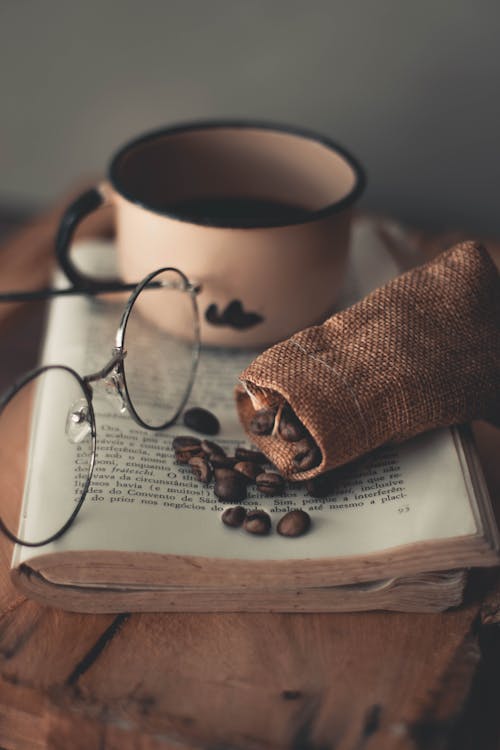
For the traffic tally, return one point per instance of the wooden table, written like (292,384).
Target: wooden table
(252,681)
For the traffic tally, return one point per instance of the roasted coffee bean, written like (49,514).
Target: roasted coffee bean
(249,469)
(307,455)
(244,454)
(183,455)
(290,428)
(185,441)
(295,523)
(270,483)
(210,448)
(201,420)
(221,462)
(201,469)
(322,485)
(230,491)
(225,471)
(262,422)
(257,522)
(234,516)
(230,487)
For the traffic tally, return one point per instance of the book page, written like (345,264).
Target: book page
(140,499)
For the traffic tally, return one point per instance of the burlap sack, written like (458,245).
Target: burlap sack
(421,352)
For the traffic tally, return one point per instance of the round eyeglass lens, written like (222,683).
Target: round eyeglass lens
(161,341)
(60,454)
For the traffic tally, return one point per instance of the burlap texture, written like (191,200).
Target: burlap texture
(421,352)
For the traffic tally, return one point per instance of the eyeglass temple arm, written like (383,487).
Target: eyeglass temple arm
(40,294)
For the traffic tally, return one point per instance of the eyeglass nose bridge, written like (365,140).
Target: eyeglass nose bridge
(112,376)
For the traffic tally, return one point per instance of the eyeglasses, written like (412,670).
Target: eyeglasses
(150,375)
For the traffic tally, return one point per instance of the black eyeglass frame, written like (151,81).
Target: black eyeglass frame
(114,368)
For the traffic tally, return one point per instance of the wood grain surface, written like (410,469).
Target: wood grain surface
(371,681)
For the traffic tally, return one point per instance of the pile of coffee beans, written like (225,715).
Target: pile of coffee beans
(232,475)
(291,430)
(294,523)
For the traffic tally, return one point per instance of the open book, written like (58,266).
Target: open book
(149,535)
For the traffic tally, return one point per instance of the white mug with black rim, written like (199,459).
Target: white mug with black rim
(257,214)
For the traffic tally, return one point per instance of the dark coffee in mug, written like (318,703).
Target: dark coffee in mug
(235,209)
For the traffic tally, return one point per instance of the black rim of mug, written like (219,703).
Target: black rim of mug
(332,208)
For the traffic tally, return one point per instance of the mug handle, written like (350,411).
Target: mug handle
(84,205)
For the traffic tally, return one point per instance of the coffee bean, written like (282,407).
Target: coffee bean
(307,454)
(223,472)
(201,420)
(230,487)
(257,522)
(322,485)
(221,462)
(262,422)
(210,448)
(230,491)
(290,428)
(249,469)
(183,455)
(201,469)
(270,483)
(244,454)
(234,516)
(185,441)
(294,523)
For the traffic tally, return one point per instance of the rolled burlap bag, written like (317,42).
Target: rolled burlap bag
(420,352)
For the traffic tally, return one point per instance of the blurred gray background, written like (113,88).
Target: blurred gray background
(411,88)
